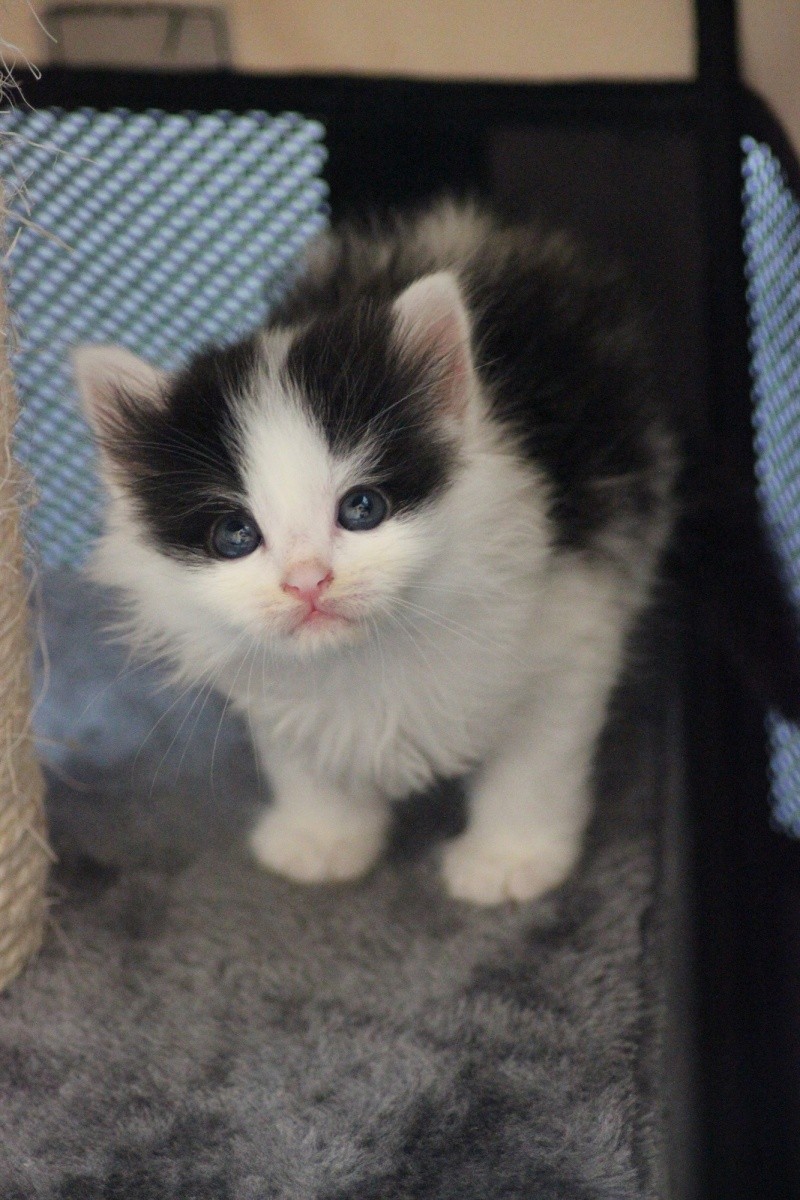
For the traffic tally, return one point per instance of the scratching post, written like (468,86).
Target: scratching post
(23,847)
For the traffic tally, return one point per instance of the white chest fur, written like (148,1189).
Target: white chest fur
(395,713)
(429,699)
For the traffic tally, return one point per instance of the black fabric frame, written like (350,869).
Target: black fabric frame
(746,873)
(395,141)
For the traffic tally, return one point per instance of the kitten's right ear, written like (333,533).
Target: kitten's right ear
(107,374)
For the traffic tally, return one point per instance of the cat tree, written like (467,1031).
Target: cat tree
(24,853)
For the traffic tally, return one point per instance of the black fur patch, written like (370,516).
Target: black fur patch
(177,460)
(557,340)
(565,360)
(359,384)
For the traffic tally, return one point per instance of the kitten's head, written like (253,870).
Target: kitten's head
(289,487)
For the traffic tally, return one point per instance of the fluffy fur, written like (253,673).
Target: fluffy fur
(491,386)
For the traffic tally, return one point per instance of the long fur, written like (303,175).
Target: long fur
(493,386)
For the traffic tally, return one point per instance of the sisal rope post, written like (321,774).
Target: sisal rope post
(24,854)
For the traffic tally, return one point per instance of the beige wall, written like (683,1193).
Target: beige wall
(529,39)
(521,39)
(770,34)
(502,38)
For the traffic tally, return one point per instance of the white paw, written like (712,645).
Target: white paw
(316,853)
(488,872)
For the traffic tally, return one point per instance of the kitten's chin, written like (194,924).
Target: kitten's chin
(318,632)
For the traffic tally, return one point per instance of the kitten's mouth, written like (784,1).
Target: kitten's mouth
(319,618)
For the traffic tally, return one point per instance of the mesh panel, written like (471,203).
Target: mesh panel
(772,251)
(170,231)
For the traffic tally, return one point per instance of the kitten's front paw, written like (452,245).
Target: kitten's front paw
(487,872)
(316,853)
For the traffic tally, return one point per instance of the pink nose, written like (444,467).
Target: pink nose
(307,580)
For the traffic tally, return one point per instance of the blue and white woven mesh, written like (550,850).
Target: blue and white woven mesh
(772,252)
(154,231)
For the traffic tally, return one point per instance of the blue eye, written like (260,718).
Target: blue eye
(363,508)
(234,535)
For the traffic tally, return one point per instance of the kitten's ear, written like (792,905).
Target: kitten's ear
(432,322)
(105,374)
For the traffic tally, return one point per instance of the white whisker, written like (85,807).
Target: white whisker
(447,623)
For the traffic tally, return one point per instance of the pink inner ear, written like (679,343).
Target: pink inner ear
(434,324)
(450,348)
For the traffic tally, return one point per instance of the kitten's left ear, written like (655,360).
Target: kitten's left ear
(433,323)
(108,374)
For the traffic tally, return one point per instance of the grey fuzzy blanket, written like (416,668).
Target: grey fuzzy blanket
(198,1028)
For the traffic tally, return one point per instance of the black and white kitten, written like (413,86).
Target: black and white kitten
(407,526)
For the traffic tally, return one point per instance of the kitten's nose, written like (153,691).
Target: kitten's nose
(307,580)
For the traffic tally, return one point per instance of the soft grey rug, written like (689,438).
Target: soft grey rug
(197,1028)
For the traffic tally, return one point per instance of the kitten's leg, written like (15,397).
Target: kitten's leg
(315,832)
(530,802)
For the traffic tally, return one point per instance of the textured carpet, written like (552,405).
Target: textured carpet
(197,1028)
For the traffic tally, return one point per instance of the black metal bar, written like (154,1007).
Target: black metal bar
(743,869)
(339,97)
